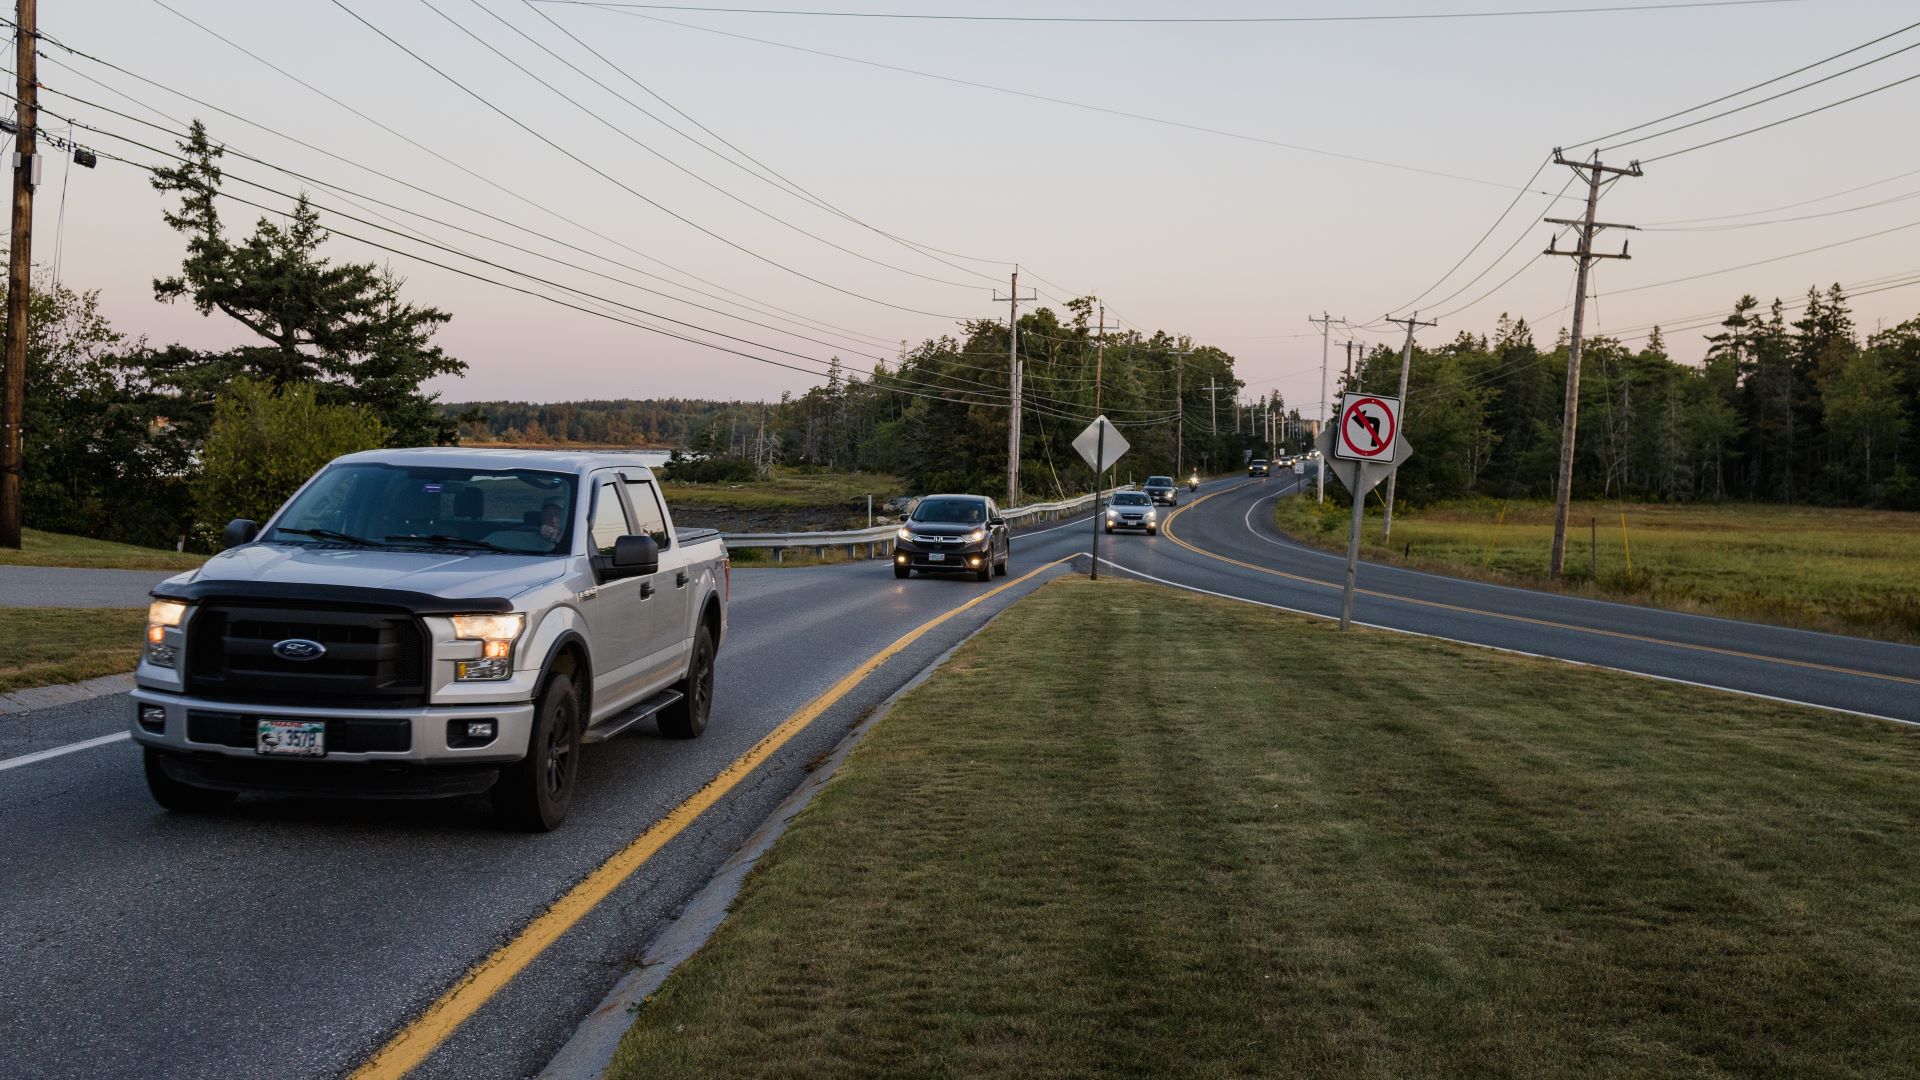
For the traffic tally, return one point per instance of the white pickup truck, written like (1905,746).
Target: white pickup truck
(432,622)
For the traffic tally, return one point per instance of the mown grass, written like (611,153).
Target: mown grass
(44,646)
(1843,570)
(788,488)
(1127,832)
(56,549)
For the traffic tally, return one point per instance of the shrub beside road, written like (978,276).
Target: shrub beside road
(1843,570)
(1134,832)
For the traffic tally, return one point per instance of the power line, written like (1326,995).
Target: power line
(1788,206)
(1781,221)
(630,137)
(1743,90)
(1224,19)
(1785,119)
(622,185)
(1763,262)
(416,144)
(1055,100)
(785,184)
(1764,100)
(1518,195)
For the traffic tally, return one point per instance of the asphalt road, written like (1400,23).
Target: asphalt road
(291,938)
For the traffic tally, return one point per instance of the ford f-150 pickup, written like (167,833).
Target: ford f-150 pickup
(432,622)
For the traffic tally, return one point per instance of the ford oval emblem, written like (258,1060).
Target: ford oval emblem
(299,648)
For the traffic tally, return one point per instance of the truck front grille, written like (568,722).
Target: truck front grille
(372,659)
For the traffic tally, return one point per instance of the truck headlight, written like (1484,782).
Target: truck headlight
(496,634)
(162,615)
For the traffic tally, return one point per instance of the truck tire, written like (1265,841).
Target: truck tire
(178,797)
(687,718)
(535,793)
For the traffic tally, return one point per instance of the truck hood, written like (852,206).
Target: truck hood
(445,574)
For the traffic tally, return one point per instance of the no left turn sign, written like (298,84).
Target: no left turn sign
(1368,430)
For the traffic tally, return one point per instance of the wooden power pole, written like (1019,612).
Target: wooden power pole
(26,169)
(1597,176)
(1406,364)
(1014,386)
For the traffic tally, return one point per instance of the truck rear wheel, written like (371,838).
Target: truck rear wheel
(687,718)
(179,797)
(535,793)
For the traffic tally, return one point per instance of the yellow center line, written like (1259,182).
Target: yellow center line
(413,1043)
(1167,529)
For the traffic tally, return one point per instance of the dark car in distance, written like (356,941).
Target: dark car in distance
(1161,489)
(952,534)
(1257,467)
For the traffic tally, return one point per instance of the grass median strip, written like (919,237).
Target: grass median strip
(1133,832)
(44,646)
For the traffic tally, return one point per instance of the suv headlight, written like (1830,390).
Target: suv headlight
(496,634)
(163,615)
(904,534)
(976,536)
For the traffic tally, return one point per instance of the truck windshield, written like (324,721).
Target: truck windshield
(951,511)
(518,511)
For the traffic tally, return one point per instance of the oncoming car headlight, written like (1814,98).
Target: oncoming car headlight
(162,615)
(904,534)
(496,634)
(976,536)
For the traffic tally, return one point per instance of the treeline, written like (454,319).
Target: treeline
(937,415)
(662,423)
(1786,409)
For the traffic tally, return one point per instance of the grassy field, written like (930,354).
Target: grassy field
(55,549)
(1123,833)
(788,489)
(43,646)
(1850,571)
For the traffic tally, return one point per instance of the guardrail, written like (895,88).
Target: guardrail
(872,539)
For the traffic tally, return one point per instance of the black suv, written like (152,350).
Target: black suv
(1258,467)
(952,534)
(1161,489)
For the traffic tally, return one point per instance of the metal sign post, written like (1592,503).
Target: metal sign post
(1369,440)
(1092,445)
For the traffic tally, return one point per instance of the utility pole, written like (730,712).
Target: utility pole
(1179,410)
(1326,329)
(1213,407)
(1406,363)
(26,169)
(1349,377)
(1014,384)
(1597,176)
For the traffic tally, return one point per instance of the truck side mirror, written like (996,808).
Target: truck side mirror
(239,531)
(636,556)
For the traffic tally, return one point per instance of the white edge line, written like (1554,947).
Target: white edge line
(1522,652)
(61,751)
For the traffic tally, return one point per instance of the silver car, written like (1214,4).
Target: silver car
(1132,510)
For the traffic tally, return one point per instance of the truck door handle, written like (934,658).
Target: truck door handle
(680,580)
(646,589)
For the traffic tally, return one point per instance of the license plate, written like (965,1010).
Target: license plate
(937,557)
(292,738)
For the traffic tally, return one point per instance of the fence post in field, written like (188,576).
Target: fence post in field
(1626,545)
(1593,538)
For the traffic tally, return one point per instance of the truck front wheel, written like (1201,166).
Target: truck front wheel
(535,792)
(179,797)
(687,718)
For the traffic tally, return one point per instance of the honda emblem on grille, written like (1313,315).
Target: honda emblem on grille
(298,648)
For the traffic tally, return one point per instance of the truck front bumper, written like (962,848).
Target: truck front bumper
(426,735)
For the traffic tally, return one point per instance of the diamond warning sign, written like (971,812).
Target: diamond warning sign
(1368,428)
